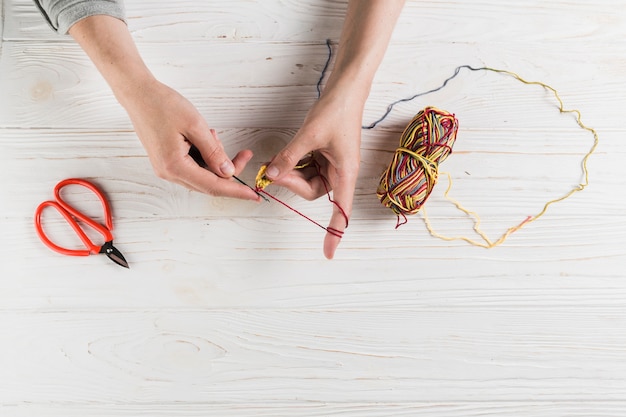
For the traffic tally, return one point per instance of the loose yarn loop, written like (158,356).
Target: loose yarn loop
(413,172)
(485,241)
(262,181)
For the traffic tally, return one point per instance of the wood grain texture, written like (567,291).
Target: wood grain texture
(314,356)
(52,84)
(314,21)
(230,309)
(535,408)
(485,167)
(210,271)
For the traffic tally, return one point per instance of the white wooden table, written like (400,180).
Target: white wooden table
(230,309)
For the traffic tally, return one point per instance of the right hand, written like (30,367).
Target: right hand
(167,125)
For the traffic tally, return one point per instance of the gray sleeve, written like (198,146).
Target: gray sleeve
(62,14)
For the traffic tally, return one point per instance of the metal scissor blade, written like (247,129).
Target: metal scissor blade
(115,255)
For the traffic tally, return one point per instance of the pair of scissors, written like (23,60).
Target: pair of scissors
(73,216)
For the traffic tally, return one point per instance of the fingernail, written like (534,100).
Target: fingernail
(272,172)
(227,168)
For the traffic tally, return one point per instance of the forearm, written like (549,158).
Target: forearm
(108,43)
(366,33)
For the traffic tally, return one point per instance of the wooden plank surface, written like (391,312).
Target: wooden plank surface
(313,21)
(314,356)
(277,84)
(448,409)
(229,307)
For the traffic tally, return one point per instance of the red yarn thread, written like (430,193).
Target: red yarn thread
(331,230)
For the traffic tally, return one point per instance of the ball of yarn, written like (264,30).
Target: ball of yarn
(410,177)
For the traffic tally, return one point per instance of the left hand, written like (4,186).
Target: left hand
(332,130)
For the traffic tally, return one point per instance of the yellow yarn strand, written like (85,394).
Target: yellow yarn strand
(486,242)
(261,181)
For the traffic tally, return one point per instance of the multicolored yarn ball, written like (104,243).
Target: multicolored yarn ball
(412,174)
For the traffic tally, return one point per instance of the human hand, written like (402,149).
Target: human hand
(168,125)
(332,131)
(332,127)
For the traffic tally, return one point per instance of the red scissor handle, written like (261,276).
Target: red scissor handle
(71,215)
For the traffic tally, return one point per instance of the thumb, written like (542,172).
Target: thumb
(286,159)
(213,153)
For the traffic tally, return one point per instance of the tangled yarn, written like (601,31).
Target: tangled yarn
(412,174)
(261,181)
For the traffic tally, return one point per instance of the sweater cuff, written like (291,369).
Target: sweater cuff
(61,15)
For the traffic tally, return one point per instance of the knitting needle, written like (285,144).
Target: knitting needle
(258,193)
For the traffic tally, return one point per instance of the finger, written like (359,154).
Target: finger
(211,149)
(286,159)
(343,196)
(309,188)
(197,178)
(241,159)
